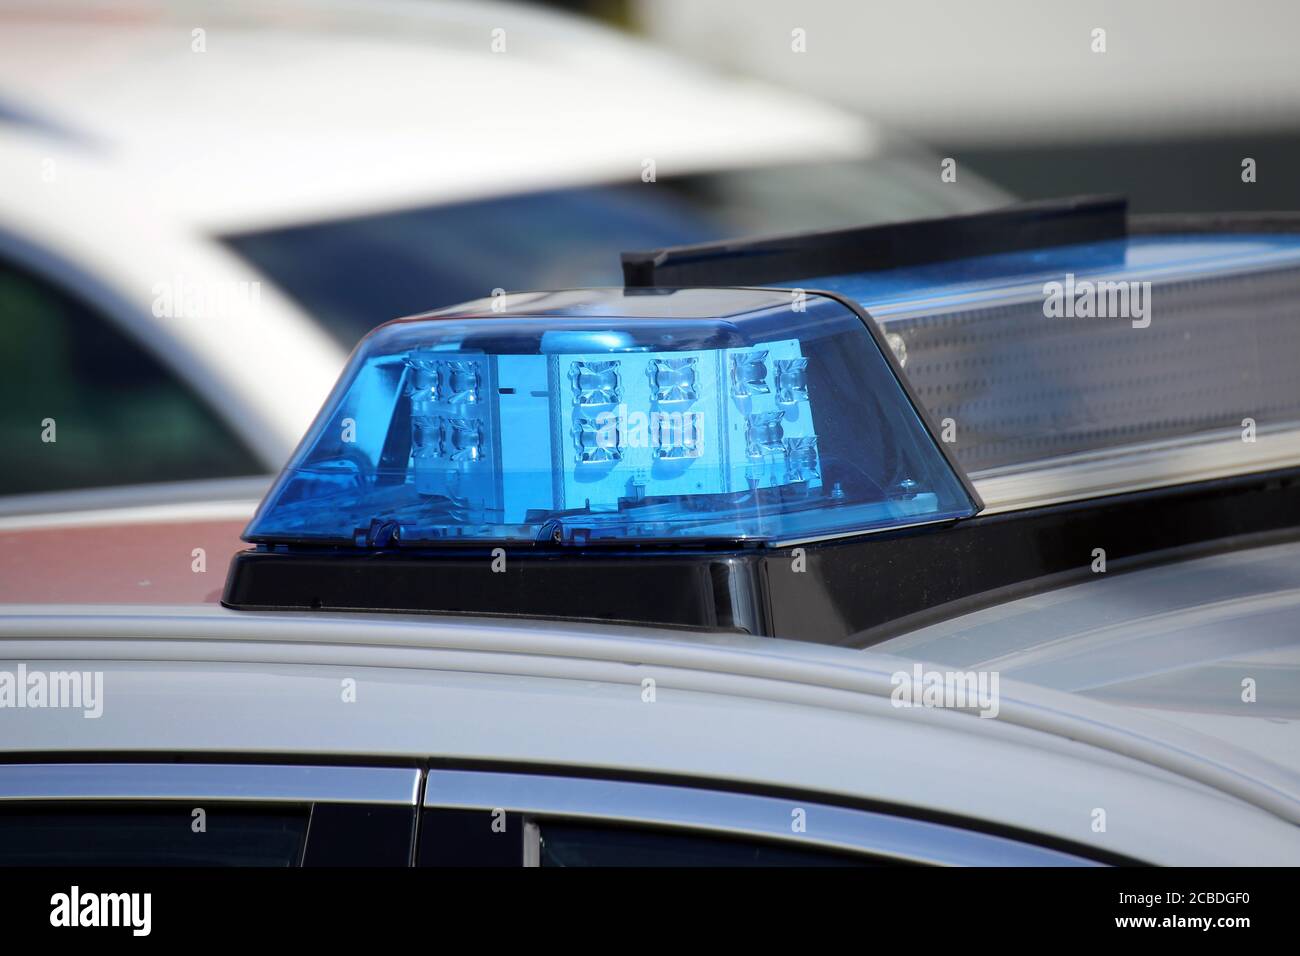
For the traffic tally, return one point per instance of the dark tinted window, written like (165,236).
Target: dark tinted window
(355,273)
(355,834)
(107,834)
(471,838)
(119,417)
(567,844)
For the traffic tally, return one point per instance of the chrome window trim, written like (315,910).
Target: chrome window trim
(532,844)
(733,814)
(259,783)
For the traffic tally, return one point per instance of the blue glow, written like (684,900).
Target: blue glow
(607,417)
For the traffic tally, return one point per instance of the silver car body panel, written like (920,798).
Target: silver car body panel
(1210,644)
(760,713)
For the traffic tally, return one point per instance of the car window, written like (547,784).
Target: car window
(116,834)
(498,818)
(356,273)
(570,844)
(82,406)
(493,838)
(195,814)
(471,838)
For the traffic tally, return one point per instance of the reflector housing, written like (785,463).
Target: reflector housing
(1216,341)
(611,417)
(1072,350)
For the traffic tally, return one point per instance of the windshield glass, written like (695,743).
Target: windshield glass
(354,274)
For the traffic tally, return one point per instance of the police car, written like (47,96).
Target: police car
(837,548)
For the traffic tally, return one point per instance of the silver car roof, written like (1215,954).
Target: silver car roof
(1209,644)
(758,712)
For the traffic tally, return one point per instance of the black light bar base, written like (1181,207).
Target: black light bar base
(781,259)
(715,591)
(855,591)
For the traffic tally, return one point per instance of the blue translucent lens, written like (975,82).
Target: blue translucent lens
(606,416)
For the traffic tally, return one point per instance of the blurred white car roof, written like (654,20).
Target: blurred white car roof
(306,110)
(125,152)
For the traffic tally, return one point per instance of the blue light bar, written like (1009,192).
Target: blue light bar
(1205,336)
(1066,349)
(604,416)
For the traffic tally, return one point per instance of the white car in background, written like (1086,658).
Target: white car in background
(206,206)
